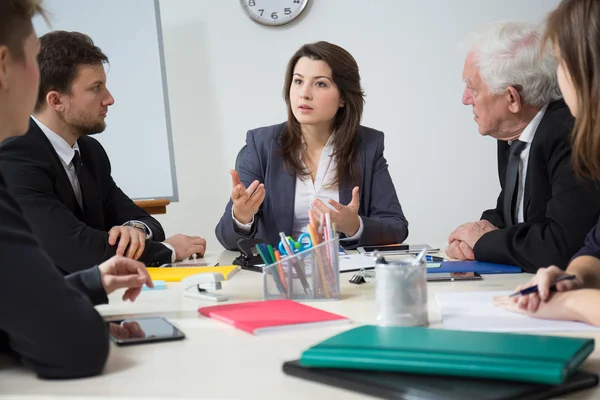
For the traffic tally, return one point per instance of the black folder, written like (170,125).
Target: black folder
(394,385)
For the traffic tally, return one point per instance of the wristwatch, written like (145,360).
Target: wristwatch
(138,225)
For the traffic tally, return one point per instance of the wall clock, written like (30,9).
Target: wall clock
(273,12)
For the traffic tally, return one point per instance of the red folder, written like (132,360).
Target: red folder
(272,315)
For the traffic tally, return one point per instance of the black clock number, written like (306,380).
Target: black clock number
(261,11)
(296,1)
(287,11)
(251,3)
(274,15)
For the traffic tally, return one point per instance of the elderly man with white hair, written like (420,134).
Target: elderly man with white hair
(543,211)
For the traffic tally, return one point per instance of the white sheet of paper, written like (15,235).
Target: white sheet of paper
(354,262)
(473,311)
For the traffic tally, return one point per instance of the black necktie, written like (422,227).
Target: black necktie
(77,163)
(81,177)
(92,206)
(511,182)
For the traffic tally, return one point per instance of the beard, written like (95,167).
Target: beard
(85,124)
(91,128)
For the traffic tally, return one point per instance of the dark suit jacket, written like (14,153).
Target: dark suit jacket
(36,178)
(592,244)
(381,213)
(48,324)
(559,208)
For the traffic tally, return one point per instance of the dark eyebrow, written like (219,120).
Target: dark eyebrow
(326,77)
(97,83)
(316,77)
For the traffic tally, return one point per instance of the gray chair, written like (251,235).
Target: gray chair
(238,159)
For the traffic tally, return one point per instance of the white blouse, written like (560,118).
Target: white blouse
(307,191)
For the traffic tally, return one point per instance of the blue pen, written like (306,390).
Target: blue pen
(434,258)
(534,289)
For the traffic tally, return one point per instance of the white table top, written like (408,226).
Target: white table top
(217,361)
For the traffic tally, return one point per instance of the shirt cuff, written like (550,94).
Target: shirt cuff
(242,228)
(173,254)
(149,233)
(359,232)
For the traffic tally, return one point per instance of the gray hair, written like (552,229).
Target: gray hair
(508,54)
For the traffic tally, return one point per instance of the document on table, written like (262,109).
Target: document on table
(356,262)
(474,311)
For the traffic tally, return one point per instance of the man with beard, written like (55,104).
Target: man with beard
(61,176)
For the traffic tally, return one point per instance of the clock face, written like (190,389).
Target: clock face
(274,12)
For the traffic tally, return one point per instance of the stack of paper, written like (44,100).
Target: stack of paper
(474,311)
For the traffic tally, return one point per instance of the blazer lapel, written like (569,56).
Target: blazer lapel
(345,194)
(63,184)
(92,202)
(346,188)
(282,187)
(537,139)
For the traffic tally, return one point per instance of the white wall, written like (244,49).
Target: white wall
(225,75)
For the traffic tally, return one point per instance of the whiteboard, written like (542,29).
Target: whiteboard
(138,135)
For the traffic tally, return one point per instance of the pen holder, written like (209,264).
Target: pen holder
(312,274)
(401,293)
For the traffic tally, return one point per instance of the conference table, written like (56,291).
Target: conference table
(218,361)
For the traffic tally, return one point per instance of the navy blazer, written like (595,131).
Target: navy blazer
(380,210)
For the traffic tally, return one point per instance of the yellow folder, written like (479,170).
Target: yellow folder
(176,274)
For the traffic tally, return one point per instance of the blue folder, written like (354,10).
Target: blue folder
(474,266)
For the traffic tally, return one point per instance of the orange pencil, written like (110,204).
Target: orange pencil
(311,217)
(280,268)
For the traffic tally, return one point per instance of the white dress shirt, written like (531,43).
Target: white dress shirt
(65,154)
(307,191)
(527,137)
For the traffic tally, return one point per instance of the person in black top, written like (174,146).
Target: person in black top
(61,176)
(544,210)
(573,32)
(47,321)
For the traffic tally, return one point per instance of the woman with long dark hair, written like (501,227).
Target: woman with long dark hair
(321,160)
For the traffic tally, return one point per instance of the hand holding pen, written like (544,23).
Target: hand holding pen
(536,288)
(546,280)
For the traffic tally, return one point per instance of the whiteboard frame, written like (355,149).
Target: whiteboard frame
(163,69)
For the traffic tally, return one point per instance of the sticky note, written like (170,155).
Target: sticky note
(158,285)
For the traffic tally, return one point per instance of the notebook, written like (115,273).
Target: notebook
(259,317)
(474,266)
(508,356)
(396,385)
(177,274)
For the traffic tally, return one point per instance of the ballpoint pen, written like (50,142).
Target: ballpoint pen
(296,263)
(534,289)
(434,258)
(264,253)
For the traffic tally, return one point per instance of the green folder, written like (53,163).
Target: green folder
(529,358)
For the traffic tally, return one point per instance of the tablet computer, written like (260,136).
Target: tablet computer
(453,276)
(143,330)
(395,249)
